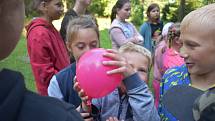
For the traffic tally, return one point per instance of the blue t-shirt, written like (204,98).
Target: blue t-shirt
(175,76)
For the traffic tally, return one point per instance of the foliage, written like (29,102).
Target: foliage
(29,12)
(19,61)
(137,12)
(98,7)
(171,11)
(206,2)
(109,7)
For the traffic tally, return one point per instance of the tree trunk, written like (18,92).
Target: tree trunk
(181,10)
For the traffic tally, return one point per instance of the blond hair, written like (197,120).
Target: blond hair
(204,16)
(131,47)
(81,22)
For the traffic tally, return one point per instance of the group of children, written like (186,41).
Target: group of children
(132,53)
(17,103)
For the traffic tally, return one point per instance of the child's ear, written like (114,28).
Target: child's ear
(43,5)
(68,47)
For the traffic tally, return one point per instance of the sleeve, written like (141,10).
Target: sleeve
(164,85)
(54,89)
(141,99)
(137,34)
(64,25)
(97,102)
(143,30)
(118,36)
(96,109)
(159,55)
(41,55)
(161,91)
(166,61)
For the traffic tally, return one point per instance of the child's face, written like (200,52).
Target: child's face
(125,11)
(55,9)
(177,41)
(139,62)
(198,49)
(154,13)
(85,40)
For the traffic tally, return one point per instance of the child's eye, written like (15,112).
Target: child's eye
(80,46)
(128,9)
(191,45)
(94,45)
(142,70)
(59,4)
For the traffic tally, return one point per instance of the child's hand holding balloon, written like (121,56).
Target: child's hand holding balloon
(92,73)
(118,60)
(112,119)
(86,102)
(100,71)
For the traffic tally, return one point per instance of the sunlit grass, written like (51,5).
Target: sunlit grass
(19,60)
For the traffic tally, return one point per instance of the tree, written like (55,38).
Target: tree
(175,12)
(181,10)
(98,7)
(137,12)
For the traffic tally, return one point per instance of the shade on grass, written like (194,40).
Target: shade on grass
(19,60)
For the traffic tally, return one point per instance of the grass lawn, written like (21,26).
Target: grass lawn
(19,60)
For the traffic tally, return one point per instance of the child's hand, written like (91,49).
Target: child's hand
(112,119)
(137,40)
(119,61)
(86,116)
(86,106)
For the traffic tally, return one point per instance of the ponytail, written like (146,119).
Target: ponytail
(113,13)
(119,4)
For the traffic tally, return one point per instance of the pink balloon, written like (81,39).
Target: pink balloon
(91,74)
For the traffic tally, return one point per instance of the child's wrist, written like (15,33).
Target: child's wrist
(85,107)
(129,73)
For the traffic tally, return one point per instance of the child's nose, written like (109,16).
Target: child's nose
(183,53)
(88,48)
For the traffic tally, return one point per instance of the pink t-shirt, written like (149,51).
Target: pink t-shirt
(158,60)
(171,58)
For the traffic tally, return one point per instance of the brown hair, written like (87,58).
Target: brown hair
(174,31)
(119,4)
(150,8)
(37,3)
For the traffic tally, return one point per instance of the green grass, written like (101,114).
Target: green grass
(19,60)
(105,40)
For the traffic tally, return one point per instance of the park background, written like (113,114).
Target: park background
(171,10)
